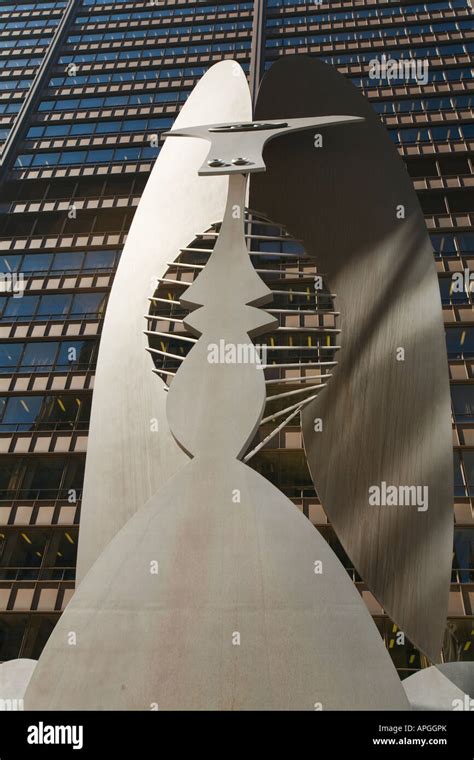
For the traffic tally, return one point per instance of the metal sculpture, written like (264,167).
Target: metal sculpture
(449,686)
(219,594)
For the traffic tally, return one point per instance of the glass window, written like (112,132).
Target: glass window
(56,130)
(21,412)
(39,355)
(81,129)
(61,409)
(134,125)
(452,165)
(91,102)
(422,167)
(68,261)
(463,402)
(23,161)
(43,477)
(88,303)
(73,157)
(99,156)
(464,554)
(10,474)
(468,461)
(460,342)
(37,262)
(46,159)
(107,127)
(117,100)
(21,307)
(9,264)
(66,105)
(35,132)
(100,259)
(444,245)
(127,154)
(75,352)
(160,123)
(459,489)
(149,152)
(445,133)
(9,355)
(466,242)
(450,292)
(54,305)
(432,204)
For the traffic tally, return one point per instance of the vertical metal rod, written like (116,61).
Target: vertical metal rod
(257,47)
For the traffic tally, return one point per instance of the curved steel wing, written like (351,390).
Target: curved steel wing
(382,463)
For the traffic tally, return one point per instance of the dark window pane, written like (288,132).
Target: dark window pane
(21,412)
(21,307)
(37,262)
(56,305)
(68,261)
(463,401)
(9,355)
(88,303)
(39,355)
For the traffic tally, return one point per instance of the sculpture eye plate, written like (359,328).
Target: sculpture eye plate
(253,126)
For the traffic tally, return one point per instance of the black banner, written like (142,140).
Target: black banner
(347,734)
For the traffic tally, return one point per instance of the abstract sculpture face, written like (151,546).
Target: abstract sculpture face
(217,593)
(227,290)
(237,148)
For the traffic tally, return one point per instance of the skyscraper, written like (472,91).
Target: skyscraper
(87,90)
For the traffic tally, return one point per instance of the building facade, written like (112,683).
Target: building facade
(86,90)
